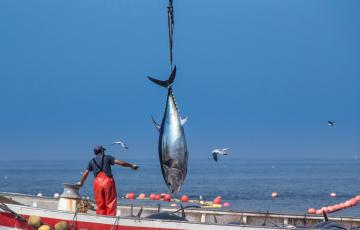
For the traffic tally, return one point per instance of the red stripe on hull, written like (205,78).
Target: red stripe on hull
(8,220)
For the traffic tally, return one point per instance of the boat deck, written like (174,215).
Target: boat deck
(226,219)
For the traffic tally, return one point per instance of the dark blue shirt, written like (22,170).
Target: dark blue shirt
(108,161)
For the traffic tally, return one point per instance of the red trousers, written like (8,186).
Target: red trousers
(105,195)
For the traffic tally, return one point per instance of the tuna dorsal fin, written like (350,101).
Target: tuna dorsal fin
(157,126)
(166,83)
(183,121)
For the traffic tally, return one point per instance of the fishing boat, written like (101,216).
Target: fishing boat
(15,210)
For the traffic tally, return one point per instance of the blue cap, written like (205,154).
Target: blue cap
(99,149)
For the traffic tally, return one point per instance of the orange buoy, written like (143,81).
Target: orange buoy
(347,204)
(325,209)
(332,194)
(354,201)
(157,197)
(152,196)
(342,205)
(142,196)
(217,200)
(330,209)
(337,207)
(274,194)
(311,211)
(167,197)
(131,196)
(226,204)
(319,212)
(184,198)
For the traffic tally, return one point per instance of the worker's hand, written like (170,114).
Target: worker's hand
(135,167)
(80,184)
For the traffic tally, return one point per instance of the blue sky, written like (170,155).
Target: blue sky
(259,77)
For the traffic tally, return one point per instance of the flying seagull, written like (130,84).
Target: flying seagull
(331,123)
(120,143)
(217,152)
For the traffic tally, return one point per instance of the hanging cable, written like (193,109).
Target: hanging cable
(171,30)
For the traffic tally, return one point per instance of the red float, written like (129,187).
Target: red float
(347,204)
(167,197)
(353,201)
(142,196)
(311,211)
(226,204)
(337,207)
(325,209)
(184,198)
(131,196)
(217,200)
(330,209)
(342,205)
(152,196)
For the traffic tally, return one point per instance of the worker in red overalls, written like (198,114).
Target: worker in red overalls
(104,184)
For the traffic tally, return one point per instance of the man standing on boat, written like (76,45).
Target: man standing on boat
(104,184)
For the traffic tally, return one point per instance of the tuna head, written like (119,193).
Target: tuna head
(173,175)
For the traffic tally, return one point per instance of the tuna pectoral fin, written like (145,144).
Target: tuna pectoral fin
(183,121)
(166,83)
(157,126)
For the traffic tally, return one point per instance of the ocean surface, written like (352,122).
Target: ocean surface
(246,184)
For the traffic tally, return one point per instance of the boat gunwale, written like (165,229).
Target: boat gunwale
(208,211)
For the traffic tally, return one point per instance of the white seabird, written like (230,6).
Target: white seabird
(120,143)
(217,152)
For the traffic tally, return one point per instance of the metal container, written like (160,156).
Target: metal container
(69,198)
(70,191)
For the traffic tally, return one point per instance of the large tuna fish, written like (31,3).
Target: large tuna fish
(173,152)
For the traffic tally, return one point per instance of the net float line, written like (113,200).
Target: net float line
(336,207)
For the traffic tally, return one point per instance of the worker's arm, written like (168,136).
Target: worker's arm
(126,164)
(83,178)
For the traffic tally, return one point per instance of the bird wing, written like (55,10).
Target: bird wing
(215,156)
(120,143)
(125,146)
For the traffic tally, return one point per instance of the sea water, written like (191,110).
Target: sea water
(246,184)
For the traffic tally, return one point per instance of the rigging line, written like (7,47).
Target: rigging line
(171,30)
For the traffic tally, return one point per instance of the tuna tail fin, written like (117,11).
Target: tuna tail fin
(166,83)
